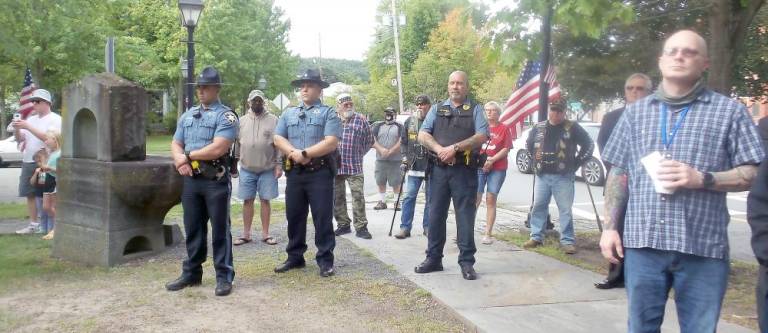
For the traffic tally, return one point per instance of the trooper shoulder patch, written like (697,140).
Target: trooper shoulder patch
(466,107)
(230,116)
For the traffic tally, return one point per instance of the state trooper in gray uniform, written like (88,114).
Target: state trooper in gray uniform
(308,135)
(200,147)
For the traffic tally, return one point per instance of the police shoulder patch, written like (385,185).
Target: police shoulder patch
(230,116)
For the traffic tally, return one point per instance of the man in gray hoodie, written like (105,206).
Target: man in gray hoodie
(259,165)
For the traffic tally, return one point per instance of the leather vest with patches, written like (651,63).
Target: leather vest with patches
(560,160)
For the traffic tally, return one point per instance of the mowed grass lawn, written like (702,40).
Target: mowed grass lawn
(159,144)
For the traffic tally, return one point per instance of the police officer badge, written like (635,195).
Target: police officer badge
(230,116)
(466,107)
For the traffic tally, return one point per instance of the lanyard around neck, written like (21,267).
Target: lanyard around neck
(668,141)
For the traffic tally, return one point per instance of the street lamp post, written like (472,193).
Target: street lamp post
(262,83)
(190,13)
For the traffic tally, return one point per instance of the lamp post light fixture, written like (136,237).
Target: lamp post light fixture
(262,83)
(190,13)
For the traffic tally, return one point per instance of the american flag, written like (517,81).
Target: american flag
(524,100)
(25,104)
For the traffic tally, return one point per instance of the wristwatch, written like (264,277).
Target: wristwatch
(304,154)
(455,147)
(189,160)
(709,180)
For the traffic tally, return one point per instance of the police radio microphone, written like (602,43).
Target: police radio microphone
(302,115)
(197,115)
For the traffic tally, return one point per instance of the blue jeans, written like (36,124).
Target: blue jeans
(413,184)
(561,187)
(699,284)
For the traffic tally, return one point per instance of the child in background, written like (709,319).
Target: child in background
(53,143)
(38,181)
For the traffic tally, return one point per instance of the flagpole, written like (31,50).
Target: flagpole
(546,29)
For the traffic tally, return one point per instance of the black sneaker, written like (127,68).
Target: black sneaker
(363,233)
(342,230)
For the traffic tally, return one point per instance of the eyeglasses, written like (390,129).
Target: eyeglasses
(685,52)
(633,88)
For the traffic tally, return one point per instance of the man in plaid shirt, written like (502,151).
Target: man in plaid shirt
(675,154)
(356,140)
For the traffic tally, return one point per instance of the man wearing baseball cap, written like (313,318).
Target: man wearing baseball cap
(553,144)
(259,165)
(30,134)
(386,141)
(355,142)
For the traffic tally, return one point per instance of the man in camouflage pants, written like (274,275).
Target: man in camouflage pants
(355,142)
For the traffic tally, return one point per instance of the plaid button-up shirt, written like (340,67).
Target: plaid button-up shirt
(717,134)
(356,140)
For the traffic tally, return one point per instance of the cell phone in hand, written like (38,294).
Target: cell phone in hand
(16,116)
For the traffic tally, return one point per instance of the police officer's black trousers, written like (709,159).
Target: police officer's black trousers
(457,183)
(203,199)
(307,190)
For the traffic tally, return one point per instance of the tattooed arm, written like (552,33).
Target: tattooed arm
(616,197)
(679,175)
(735,180)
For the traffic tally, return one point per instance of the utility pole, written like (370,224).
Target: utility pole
(395,22)
(546,29)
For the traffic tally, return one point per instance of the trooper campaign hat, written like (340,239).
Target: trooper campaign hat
(209,77)
(310,75)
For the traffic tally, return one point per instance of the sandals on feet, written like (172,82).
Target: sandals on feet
(241,241)
(269,240)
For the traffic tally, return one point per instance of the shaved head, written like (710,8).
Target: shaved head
(689,35)
(684,58)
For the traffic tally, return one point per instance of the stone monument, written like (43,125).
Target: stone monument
(112,197)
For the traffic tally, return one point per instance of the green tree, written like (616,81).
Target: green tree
(422,17)
(59,40)
(245,40)
(454,45)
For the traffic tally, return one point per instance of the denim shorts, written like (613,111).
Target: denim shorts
(494,179)
(262,183)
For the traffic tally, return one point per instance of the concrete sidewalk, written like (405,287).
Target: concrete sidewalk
(517,290)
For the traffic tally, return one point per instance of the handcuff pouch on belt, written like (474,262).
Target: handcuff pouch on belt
(212,170)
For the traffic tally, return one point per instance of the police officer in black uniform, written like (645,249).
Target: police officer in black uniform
(200,147)
(453,131)
(308,135)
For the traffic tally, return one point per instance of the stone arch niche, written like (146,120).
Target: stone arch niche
(85,139)
(111,197)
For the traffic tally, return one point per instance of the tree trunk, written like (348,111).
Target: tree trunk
(728,23)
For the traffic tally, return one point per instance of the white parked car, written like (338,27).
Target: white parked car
(593,171)
(9,152)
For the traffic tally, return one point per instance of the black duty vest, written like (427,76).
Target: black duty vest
(451,127)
